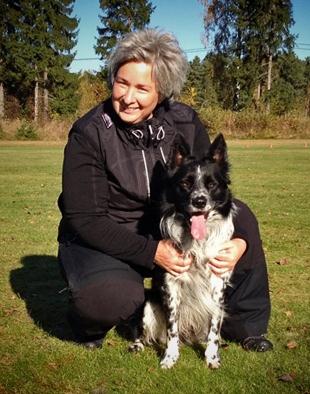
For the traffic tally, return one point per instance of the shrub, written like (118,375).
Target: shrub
(252,124)
(2,134)
(26,131)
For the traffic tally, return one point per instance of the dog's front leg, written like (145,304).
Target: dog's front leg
(171,304)
(212,355)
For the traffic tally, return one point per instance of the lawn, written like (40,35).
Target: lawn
(37,354)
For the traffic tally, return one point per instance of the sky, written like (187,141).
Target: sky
(183,18)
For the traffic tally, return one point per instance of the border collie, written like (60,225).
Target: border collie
(198,218)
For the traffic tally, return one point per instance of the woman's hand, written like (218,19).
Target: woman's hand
(229,255)
(171,259)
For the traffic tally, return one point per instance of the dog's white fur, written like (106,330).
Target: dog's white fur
(195,302)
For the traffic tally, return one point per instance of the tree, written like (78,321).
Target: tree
(288,90)
(307,86)
(120,17)
(199,89)
(252,33)
(40,36)
(194,86)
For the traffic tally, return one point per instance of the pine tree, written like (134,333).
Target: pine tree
(194,86)
(120,17)
(288,86)
(253,33)
(199,90)
(307,86)
(40,38)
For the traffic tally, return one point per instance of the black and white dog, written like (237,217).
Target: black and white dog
(198,218)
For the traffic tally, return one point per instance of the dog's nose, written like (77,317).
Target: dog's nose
(199,202)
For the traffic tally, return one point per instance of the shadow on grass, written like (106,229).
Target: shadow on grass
(39,283)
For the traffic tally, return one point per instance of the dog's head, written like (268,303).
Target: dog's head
(199,189)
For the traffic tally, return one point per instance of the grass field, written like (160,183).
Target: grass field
(36,353)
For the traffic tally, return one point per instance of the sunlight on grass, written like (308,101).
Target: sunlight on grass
(37,354)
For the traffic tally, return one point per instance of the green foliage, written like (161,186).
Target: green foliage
(37,351)
(26,131)
(119,18)
(248,34)
(199,90)
(64,96)
(37,41)
(212,83)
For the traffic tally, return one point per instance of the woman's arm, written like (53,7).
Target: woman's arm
(85,205)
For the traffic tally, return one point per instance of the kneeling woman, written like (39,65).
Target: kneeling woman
(108,237)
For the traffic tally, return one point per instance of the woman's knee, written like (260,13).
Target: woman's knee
(108,302)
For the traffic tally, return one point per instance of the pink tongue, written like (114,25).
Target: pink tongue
(198,227)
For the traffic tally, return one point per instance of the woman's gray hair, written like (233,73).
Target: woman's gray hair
(155,47)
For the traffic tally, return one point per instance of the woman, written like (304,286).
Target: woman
(107,234)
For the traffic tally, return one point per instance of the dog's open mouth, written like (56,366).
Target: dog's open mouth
(198,225)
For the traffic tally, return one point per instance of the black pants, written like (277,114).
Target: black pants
(106,292)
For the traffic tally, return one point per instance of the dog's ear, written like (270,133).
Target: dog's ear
(179,152)
(218,150)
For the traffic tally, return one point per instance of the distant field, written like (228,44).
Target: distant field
(37,354)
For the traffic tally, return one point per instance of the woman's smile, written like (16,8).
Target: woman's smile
(134,94)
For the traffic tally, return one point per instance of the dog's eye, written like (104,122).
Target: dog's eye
(211,185)
(185,184)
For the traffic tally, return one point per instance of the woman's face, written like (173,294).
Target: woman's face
(134,93)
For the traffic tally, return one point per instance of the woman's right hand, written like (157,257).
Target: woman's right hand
(171,259)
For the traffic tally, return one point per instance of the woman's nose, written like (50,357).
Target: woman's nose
(129,96)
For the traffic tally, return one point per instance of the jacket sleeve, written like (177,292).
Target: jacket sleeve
(85,201)
(202,139)
(247,228)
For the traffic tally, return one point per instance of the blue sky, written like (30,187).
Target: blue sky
(183,18)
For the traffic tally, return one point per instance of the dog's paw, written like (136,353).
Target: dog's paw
(167,362)
(136,347)
(212,357)
(214,364)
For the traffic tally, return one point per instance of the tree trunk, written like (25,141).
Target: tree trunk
(258,95)
(308,102)
(45,98)
(36,101)
(269,78)
(1,101)
(259,91)
(36,98)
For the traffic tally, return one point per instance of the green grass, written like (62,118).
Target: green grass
(36,354)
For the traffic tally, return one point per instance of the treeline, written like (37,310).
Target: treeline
(248,79)
(212,83)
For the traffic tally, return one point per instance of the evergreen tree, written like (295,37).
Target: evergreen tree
(289,86)
(253,33)
(40,38)
(194,86)
(210,95)
(307,86)
(199,89)
(120,17)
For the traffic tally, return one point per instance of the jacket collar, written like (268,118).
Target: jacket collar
(145,134)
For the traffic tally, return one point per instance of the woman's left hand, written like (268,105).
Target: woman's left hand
(229,255)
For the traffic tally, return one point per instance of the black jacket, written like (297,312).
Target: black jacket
(110,179)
